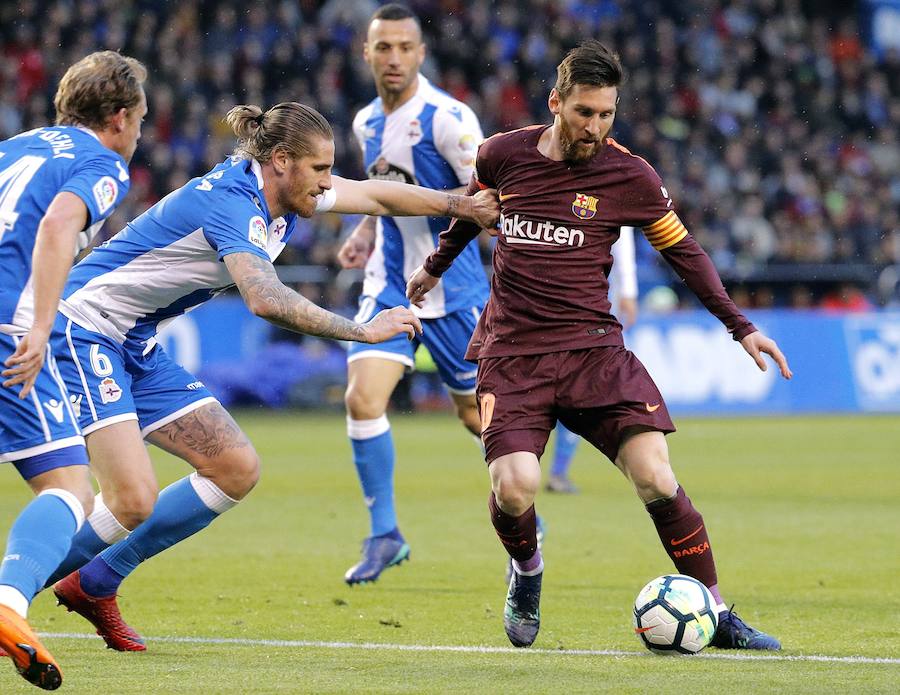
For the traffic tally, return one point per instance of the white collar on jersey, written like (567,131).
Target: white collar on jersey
(424,86)
(89,132)
(257,169)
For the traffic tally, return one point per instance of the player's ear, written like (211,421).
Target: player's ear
(553,101)
(118,120)
(421,54)
(279,160)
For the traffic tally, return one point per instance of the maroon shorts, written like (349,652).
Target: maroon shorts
(596,393)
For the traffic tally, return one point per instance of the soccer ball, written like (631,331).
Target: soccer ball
(675,614)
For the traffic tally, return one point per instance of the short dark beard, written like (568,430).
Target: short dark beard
(570,148)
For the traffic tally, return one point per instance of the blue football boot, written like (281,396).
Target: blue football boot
(522,614)
(378,553)
(734,633)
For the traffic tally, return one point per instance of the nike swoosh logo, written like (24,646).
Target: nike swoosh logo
(369,501)
(640,630)
(508,196)
(652,408)
(679,541)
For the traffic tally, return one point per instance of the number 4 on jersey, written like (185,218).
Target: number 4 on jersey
(13,181)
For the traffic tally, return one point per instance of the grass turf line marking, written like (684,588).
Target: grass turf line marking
(376,646)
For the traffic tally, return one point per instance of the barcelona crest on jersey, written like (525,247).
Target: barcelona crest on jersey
(584,206)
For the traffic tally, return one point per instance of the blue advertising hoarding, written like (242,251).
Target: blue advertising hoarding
(841,363)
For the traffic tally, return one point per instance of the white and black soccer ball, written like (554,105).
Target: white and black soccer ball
(675,614)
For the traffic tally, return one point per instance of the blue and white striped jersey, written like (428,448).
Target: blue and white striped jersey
(431,141)
(35,167)
(169,260)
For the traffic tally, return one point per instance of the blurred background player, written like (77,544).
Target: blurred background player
(548,347)
(623,294)
(414,133)
(223,229)
(57,186)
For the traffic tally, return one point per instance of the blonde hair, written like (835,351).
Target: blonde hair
(288,125)
(96,87)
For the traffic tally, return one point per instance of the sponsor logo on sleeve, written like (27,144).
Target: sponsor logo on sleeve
(584,206)
(467,142)
(259,232)
(105,192)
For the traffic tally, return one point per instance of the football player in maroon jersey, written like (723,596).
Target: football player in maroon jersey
(548,347)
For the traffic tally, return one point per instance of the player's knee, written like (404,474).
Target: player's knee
(515,490)
(85,495)
(80,486)
(655,481)
(133,505)
(237,474)
(362,405)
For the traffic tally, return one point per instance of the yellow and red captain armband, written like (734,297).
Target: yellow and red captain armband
(665,232)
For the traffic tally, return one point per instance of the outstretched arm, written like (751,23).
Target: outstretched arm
(54,249)
(374,197)
(694,266)
(451,243)
(267,297)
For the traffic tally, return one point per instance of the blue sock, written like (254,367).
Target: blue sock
(178,514)
(374,459)
(563,450)
(38,541)
(85,545)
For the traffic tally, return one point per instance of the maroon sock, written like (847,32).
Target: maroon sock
(683,535)
(517,533)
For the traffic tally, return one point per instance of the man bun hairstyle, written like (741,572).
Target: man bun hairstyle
(289,125)
(96,87)
(591,64)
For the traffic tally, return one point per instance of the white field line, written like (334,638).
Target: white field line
(376,646)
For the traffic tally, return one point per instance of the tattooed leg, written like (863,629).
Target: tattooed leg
(210,440)
(227,469)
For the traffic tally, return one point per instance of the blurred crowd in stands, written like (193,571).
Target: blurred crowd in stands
(773,125)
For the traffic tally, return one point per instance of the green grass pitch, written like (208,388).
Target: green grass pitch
(804,515)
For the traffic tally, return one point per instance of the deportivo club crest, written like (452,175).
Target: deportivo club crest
(585,206)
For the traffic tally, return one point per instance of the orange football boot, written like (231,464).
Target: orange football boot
(31,658)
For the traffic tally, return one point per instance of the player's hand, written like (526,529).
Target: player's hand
(24,365)
(355,251)
(756,343)
(628,310)
(389,322)
(420,283)
(486,208)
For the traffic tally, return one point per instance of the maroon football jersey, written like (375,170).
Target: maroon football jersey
(549,290)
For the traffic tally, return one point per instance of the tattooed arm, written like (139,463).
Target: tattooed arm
(267,297)
(374,197)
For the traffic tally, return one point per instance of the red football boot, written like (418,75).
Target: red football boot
(102,612)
